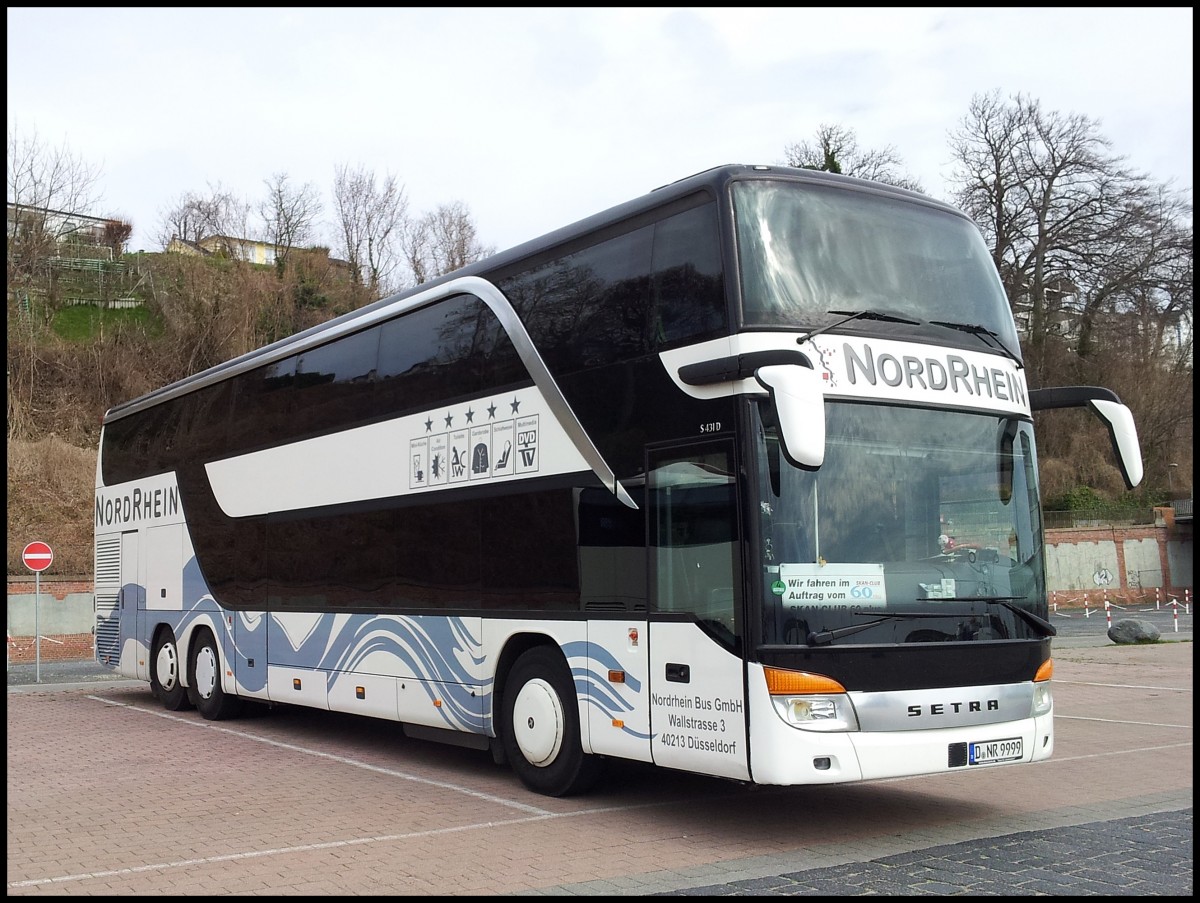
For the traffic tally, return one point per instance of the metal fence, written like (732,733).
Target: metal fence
(1098,517)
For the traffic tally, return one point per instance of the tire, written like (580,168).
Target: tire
(206,692)
(166,672)
(540,725)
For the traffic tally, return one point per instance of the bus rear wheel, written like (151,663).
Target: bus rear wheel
(540,723)
(166,673)
(206,691)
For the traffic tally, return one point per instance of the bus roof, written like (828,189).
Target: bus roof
(713,181)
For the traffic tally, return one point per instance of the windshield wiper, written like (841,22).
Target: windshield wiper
(1046,628)
(982,331)
(824,637)
(1028,617)
(848,315)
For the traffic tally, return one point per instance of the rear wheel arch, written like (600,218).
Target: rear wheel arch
(516,646)
(539,723)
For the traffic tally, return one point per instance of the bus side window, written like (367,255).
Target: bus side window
(335,382)
(694,534)
(688,282)
(262,404)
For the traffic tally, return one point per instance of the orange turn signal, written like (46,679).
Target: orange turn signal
(789,683)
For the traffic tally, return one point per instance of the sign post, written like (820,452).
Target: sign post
(37,557)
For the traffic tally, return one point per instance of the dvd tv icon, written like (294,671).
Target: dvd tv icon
(527,444)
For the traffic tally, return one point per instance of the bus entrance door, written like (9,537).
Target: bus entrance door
(697,700)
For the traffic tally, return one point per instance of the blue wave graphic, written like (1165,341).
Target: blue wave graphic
(590,663)
(426,645)
(442,653)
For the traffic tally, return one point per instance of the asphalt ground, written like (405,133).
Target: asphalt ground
(1109,814)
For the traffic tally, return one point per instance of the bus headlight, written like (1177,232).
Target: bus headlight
(1043,700)
(811,702)
(817,713)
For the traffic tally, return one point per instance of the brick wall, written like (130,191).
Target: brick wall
(59,587)
(62,648)
(55,647)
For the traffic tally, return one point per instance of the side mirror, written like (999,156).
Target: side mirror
(1123,434)
(796,390)
(799,398)
(1122,431)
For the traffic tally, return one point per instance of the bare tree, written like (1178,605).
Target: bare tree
(1040,186)
(415,244)
(43,180)
(1139,272)
(442,241)
(371,219)
(289,214)
(116,234)
(1097,263)
(193,216)
(1073,231)
(836,150)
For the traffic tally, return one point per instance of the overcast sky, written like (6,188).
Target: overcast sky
(535,118)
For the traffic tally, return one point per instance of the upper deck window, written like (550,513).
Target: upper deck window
(626,296)
(808,249)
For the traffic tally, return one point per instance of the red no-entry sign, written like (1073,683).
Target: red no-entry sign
(37,556)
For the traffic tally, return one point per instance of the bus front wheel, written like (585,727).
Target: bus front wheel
(206,691)
(540,723)
(165,673)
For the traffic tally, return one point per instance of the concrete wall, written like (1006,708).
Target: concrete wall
(1179,558)
(1143,566)
(1134,564)
(64,606)
(1081,565)
(64,620)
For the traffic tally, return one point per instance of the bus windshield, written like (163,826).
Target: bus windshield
(807,251)
(922,525)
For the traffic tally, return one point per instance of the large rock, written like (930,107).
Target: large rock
(1132,630)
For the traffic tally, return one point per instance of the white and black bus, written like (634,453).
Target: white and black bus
(737,478)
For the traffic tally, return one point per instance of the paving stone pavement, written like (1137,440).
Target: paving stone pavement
(1083,854)
(1148,855)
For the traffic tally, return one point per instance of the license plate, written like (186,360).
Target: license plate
(990,751)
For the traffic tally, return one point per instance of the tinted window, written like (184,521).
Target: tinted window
(331,562)
(437,555)
(127,446)
(186,429)
(589,307)
(518,529)
(203,422)
(689,280)
(626,296)
(262,406)
(334,383)
(448,350)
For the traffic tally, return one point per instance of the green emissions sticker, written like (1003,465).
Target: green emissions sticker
(779,587)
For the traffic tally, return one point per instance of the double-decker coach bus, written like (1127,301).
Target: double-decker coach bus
(738,478)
